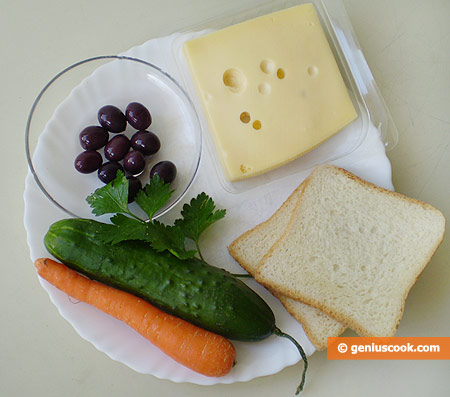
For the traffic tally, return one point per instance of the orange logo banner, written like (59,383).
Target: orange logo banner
(396,348)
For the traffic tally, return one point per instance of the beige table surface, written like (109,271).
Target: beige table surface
(407,45)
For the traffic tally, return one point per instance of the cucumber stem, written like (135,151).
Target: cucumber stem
(278,332)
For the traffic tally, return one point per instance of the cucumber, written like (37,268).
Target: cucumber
(206,296)
(190,289)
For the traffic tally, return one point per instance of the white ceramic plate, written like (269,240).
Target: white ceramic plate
(123,344)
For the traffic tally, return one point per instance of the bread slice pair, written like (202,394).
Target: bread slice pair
(250,248)
(352,250)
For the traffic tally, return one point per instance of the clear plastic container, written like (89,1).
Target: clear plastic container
(358,78)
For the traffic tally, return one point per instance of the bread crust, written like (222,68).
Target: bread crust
(319,344)
(358,328)
(232,247)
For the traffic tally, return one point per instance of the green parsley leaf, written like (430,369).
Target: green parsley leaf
(111,198)
(153,196)
(197,216)
(123,228)
(171,238)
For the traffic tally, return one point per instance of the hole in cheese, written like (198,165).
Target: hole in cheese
(257,125)
(281,73)
(264,88)
(245,117)
(313,71)
(235,80)
(267,66)
(244,168)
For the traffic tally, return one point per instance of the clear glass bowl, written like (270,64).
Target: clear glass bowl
(70,101)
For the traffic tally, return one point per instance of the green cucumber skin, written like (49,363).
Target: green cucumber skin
(206,296)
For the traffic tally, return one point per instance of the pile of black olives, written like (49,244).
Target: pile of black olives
(120,152)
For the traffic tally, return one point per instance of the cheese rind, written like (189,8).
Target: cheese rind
(270,90)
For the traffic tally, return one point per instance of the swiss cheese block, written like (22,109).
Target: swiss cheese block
(270,90)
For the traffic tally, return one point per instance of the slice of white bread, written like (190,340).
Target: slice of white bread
(249,249)
(317,325)
(353,250)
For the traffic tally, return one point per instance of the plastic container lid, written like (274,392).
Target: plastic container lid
(358,78)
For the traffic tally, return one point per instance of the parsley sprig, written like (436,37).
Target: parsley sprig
(196,216)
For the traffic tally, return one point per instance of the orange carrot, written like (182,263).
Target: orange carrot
(195,348)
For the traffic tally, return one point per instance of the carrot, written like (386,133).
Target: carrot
(200,350)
